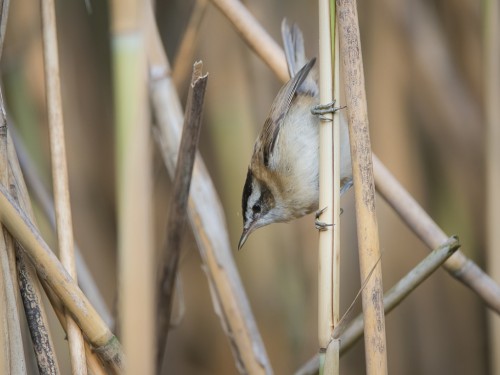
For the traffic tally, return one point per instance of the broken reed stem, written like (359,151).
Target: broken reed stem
(459,266)
(401,290)
(184,55)
(60,172)
(136,267)
(50,269)
(44,200)
(177,212)
(364,189)
(329,194)
(207,221)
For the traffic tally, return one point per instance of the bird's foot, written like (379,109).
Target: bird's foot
(320,225)
(321,110)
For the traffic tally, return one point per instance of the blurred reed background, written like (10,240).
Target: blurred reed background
(423,68)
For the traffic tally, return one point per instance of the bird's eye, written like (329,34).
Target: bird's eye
(256,208)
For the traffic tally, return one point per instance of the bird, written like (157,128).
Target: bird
(282,181)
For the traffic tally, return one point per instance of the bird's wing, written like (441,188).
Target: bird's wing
(279,109)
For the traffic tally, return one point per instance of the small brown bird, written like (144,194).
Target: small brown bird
(282,181)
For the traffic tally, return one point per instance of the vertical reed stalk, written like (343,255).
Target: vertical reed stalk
(329,194)
(60,172)
(364,189)
(492,116)
(135,235)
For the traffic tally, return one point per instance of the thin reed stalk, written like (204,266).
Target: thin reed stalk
(60,172)
(207,220)
(329,193)
(134,185)
(177,212)
(364,189)
(459,266)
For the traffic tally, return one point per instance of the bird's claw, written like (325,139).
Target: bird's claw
(321,109)
(320,225)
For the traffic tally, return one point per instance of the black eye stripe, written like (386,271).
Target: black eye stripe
(247,191)
(256,208)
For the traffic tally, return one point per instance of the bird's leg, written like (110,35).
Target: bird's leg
(321,109)
(321,226)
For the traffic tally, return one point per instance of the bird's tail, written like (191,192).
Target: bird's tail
(293,43)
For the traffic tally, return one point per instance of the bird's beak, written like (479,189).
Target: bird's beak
(246,232)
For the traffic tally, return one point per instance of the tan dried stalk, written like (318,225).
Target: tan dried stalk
(329,193)
(136,266)
(60,172)
(364,189)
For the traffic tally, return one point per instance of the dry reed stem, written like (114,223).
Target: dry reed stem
(136,266)
(207,221)
(50,269)
(60,172)
(329,193)
(44,200)
(492,114)
(401,290)
(177,212)
(364,189)
(184,55)
(459,266)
